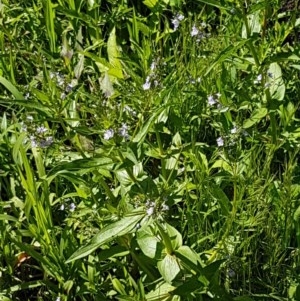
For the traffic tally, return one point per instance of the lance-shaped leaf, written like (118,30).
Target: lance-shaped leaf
(113,54)
(124,226)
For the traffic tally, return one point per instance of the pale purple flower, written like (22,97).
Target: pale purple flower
(233,130)
(123,131)
(176,21)
(33,141)
(72,207)
(195,31)
(147,84)
(150,211)
(220,142)
(46,142)
(108,134)
(41,129)
(258,79)
(211,100)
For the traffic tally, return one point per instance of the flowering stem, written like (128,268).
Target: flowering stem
(161,152)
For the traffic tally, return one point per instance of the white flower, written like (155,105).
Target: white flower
(153,65)
(108,134)
(62,207)
(164,207)
(220,141)
(180,17)
(233,130)
(176,21)
(41,129)
(29,118)
(195,31)
(150,211)
(72,207)
(123,131)
(211,100)
(258,79)
(33,141)
(147,84)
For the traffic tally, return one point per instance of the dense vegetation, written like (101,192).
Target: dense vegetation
(149,150)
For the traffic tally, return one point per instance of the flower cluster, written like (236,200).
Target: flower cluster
(61,82)
(38,135)
(213,99)
(122,131)
(232,137)
(176,20)
(152,209)
(154,75)
(198,32)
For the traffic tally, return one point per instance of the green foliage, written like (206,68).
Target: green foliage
(149,150)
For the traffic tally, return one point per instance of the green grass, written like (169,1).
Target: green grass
(149,150)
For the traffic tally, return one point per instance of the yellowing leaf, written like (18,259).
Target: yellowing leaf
(113,54)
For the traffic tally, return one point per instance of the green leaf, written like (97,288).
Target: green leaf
(169,267)
(214,3)
(275,81)
(79,67)
(11,88)
(148,242)
(113,54)
(161,292)
(81,165)
(175,237)
(254,25)
(226,53)
(221,198)
(257,115)
(6,217)
(106,86)
(117,229)
(150,3)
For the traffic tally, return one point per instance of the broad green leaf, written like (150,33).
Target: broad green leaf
(113,53)
(169,267)
(187,253)
(257,115)
(148,242)
(275,81)
(124,226)
(254,25)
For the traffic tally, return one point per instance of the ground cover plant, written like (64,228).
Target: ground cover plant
(149,150)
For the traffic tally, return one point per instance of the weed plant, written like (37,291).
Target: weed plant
(149,150)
